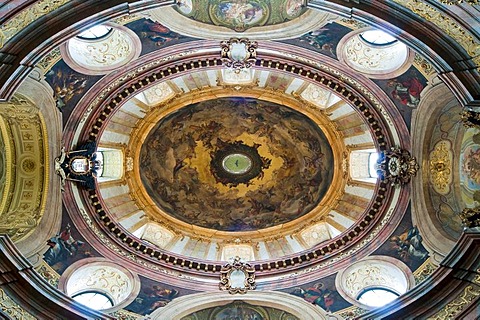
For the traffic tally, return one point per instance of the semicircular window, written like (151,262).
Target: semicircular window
(94,300)
(377,38)
(95,33)
(377,297)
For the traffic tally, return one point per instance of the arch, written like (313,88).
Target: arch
(183,306)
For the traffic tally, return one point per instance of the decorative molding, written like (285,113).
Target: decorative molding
(424,271)
(459,2)
(48,274)
(11,308)
(471,119)
(22,19)
(49,60)
(425,67)
(232,273)
(238,53)
(446,24)
(454,307)
(126,315)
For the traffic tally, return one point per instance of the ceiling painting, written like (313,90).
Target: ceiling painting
(154,295)
(405,244)
(67,247)
(68,86)
(154,35)
(241,15)
(323,40)
(405,91)
(320,293)
(236,164)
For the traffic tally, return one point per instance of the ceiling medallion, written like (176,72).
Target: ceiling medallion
(396,166)
(237,277)
(235,163)
(238,53)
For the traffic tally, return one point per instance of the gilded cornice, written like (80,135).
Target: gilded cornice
(448,25)
(12,309)
(457,305)
(24,18)
(49,60)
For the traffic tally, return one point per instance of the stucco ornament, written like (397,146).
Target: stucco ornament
(396,166)
(239,54)
(237,277)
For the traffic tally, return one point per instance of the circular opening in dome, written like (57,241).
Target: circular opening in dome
(377,297)
(95,33)
(377,38)
(237,163)
(94,300)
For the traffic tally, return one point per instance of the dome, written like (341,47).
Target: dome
(236,164)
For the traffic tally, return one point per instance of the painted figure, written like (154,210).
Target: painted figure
(406,89)
(408,245)
(62,248)
(152,298)
(471,165)
(317,294)
(238,15)
(66,84)
(294,7)
(157,33)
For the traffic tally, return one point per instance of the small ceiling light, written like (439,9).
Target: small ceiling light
(239,54)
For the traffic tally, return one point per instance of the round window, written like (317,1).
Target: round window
(377,297)
(95,33)
(377,38)
(94,300)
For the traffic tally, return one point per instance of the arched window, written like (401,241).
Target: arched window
(377,297)
(94,300)
(363,165)
(110,164)
(372,164)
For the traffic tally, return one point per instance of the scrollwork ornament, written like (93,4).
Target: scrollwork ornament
(396,166)
(238,53)
(457,2)
(237,267)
